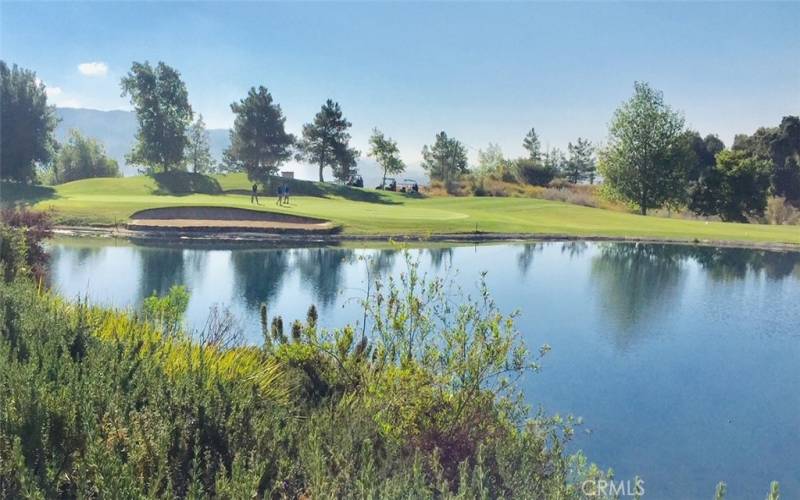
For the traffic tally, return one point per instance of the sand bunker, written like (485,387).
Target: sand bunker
(217,219)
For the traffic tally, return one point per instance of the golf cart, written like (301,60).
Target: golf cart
(390,184)
(355,181)
(409,186)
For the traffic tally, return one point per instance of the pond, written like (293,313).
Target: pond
(683,361)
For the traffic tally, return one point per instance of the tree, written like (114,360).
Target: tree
(26,124)
(326,142)
(532,145)
(580,165)
(162,107)
(259,141)
(491,159)
(446,160)
(781,146)
(198,152)
(386,153)
(646,158)
(702,153)
(555,160)
(82,158)
(535,172)
(734,189)
(784,151)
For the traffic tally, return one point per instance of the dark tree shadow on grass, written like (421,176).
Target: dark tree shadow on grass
(299,187)
(20,193)
(185,183)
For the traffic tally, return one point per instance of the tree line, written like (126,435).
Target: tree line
(651,160)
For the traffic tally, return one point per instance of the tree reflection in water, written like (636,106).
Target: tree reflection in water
(636,282)
(160,269)
(321,269)
(259,274)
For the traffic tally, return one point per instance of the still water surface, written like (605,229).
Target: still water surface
(684,362)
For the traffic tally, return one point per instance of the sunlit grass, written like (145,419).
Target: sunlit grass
(367,212)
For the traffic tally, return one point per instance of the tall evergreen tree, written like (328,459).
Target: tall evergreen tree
(532,145)
(386,153)
(581,165)
(259,141)
(326,142)
(646,159)
(162,107)
(198,152)
(445,160)
(26,124)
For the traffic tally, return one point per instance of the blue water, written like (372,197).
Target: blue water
(684,362)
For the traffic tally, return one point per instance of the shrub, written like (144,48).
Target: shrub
(779,211)
(101,403)
(534,172)
(36,227)
(574,195)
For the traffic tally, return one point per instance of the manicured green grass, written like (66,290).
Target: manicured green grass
(106,201)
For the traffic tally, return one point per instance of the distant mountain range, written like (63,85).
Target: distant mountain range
(116,131)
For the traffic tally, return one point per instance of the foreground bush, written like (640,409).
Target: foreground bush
(101,403)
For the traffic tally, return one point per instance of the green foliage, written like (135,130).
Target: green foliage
(646,159)
(198,151)
(581,165)
(32,228)
(26,135)
(386,153)
(446,160)
(259,141)
(774,491)
(167,311)
(532,145)
(535,172)
(82,158)
(721,491)
(13,252)
(702,153)
(326,142)
(781,146)
(735,189)
(162,107)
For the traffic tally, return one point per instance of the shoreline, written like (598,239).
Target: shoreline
(245,237)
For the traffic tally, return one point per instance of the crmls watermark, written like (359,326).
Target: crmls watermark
(610,488)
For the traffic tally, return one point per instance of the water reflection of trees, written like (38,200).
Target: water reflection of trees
(321,268)
(525,257)
(438,256)
(636,282)
(259,274)
(574,248)
(381,261)
(728,264)
(642,281)
(160,269)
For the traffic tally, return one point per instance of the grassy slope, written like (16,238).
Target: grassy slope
(103,201)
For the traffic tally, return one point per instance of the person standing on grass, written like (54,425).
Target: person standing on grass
(286,193)
(279,200)
(254,196)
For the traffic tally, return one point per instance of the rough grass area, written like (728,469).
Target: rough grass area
(369,212)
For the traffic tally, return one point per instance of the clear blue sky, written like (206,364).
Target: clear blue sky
(482,72)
